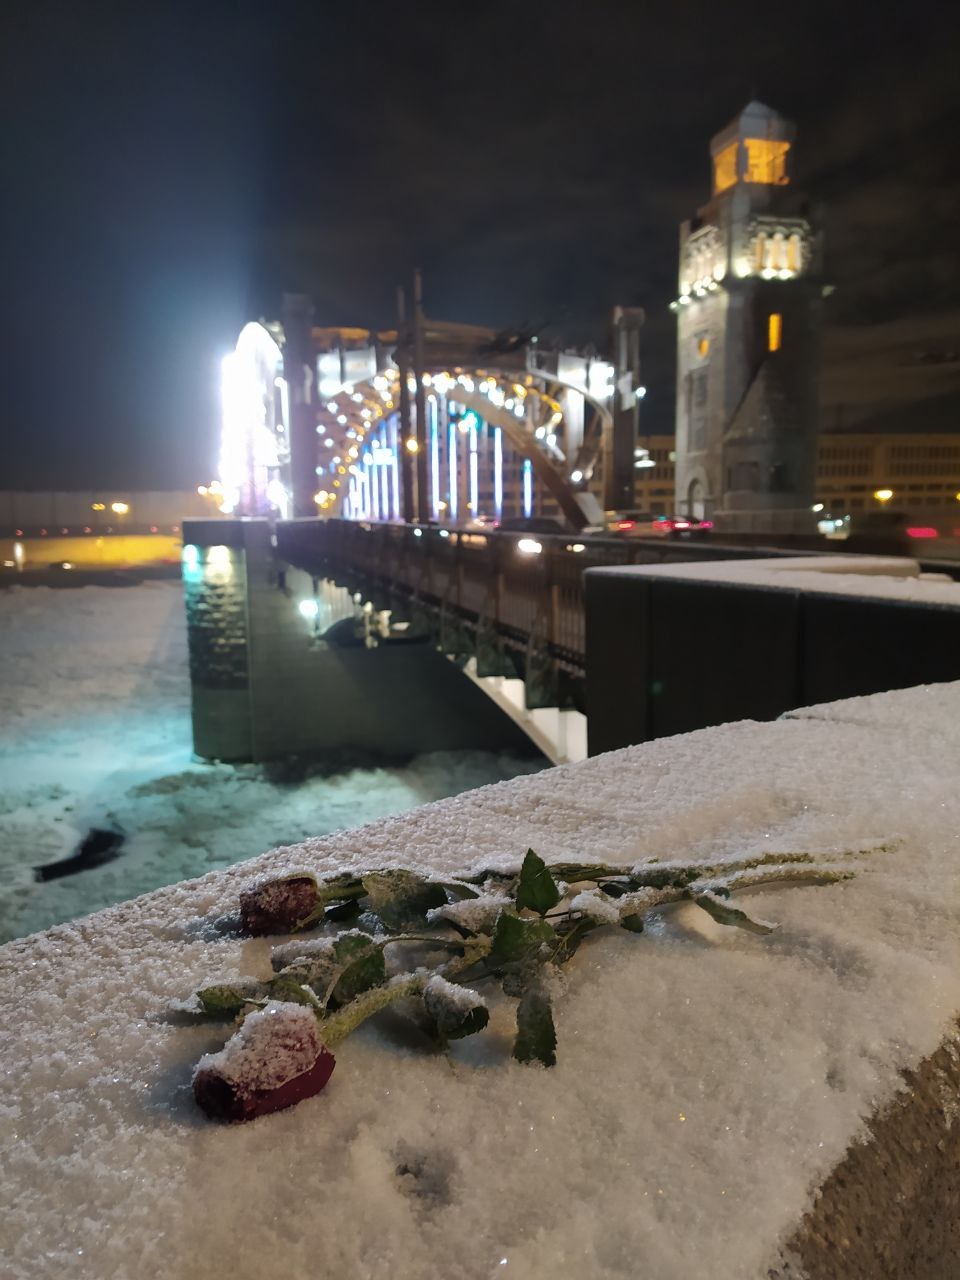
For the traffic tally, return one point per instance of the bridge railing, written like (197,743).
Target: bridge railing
(526,587)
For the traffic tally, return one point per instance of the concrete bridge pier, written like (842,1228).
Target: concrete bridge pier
(277,667)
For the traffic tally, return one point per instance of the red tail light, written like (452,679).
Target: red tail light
(681,524)
(706,524)
(626,524)
(921,531)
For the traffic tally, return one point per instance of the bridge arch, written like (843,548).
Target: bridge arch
(343,407)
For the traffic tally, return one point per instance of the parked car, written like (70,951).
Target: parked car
(642,524)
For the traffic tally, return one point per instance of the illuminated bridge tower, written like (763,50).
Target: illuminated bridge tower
(748,337)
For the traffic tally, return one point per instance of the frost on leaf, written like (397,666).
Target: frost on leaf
(536,1038)
(226,999)
(720,911)
(456,1011)
(478,914)
(314,958)
(362,966)
(401,898)
(517,940)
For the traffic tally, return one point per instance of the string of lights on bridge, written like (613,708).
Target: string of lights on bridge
(361,437)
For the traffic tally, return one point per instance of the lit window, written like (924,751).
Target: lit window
(761,246)
(766,161)
(776,251)
(793,253)
(703,346)
(725,167)
(774,331)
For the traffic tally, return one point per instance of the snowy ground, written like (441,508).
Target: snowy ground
(707,1079)
(95,731)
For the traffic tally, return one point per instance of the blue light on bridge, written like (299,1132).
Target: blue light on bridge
(497,472)
(394,466)
(434,460)
(452,461)
(474,474)
(527,488)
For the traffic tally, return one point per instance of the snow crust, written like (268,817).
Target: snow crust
(597,906)
(871,577)
(478,913)
(707,1079)
(95,731)
(441,996)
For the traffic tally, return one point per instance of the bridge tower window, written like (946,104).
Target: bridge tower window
(725,167)
(766,161)
(774,331)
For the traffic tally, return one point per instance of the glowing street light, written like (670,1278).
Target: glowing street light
(883,495)
(120,508)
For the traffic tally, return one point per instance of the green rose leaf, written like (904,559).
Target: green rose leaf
(723,914)
(536,1038)
(456,1011)
(537,888)
(363,967)
(287,987)
(401,898)
(457,892)
(225,1000)
(516,940)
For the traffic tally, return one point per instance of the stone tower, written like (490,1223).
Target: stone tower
(748,337)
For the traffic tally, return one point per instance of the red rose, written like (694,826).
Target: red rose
(275,1060)
(278,906)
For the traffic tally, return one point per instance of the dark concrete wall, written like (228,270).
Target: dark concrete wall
(667,656)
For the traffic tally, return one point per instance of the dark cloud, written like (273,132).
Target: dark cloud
(172,169)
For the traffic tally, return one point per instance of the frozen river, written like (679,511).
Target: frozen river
(95,732)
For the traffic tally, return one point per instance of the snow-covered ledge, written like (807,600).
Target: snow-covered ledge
(709,1082)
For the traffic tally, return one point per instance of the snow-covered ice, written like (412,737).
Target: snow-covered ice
(95,731)
(707,1079)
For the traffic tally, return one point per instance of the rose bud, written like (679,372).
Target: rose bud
(278,906)
(276,1059)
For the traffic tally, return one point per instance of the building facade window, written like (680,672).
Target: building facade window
(774,331)
(703,347)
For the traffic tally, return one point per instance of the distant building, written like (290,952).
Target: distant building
(748,337)
(857,473)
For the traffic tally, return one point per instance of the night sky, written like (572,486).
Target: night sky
(170,169)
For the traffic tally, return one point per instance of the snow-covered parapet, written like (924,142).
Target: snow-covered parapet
(710,1083)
